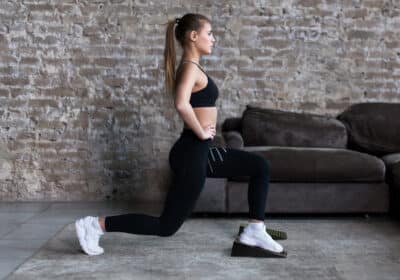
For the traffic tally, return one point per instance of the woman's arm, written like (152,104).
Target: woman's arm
(185,84)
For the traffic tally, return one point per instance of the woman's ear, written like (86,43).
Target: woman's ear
(193,36)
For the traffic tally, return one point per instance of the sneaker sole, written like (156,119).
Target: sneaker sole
(80,232)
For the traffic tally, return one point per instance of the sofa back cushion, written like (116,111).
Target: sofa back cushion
(373,127)
(268,127)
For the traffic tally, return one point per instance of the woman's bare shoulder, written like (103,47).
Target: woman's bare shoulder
(186,71)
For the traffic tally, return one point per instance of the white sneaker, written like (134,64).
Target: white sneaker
(89,235)
(257,236)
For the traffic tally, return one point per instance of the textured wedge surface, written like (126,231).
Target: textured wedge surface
(243,250)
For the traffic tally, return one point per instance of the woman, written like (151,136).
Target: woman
(191,158)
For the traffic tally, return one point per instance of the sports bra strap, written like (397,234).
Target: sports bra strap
(198,65)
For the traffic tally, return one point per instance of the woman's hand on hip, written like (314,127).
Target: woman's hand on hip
(208,132)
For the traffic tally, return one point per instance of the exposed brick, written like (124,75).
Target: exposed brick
(6,70)
(29,60)
(58,92)
(40,7)
(75,135)
(43,103)
(308,106)
(308,3)
(54,61)
(3,39)
(104,103)
(321,13)
(19,40)
(82,121)
(337,105)
(9,81)
(15,146)
(7,59)
(254,74)
(4,92)
(76,154)
(379,86)
(360,34)
(356,13)
(50,124)
(373,3)
(44,17)
(107,62)
(378,75)
(25,136)
(92,30)
(275,43)
(114,82)
(262,22)
(392,64)
(393,45)
(16,92)
(48,40)
(88,72)
(14,103)
(83,104)
(255,52)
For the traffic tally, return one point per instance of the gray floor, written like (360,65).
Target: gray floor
(26,226)
(319,247)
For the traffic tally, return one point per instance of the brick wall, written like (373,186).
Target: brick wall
(83,112)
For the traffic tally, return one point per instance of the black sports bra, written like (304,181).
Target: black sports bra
(205,97)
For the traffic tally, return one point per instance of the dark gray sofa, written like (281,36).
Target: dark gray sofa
(318,164)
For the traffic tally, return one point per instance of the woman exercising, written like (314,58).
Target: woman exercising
(192,158)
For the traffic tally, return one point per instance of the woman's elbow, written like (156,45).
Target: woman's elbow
(181,106)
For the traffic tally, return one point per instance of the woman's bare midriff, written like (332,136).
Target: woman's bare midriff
(205,115)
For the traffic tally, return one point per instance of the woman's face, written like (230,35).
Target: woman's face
(205,39)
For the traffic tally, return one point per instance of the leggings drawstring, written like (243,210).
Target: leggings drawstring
(213,157)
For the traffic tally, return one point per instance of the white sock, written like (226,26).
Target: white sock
(255,226)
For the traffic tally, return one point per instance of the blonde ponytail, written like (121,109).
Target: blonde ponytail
(170,57)
(184,25)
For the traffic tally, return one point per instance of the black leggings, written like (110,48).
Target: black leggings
(192,160)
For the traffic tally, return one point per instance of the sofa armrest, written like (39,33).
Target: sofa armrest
(391,159)
(232,124)
(392,162)
(233,139)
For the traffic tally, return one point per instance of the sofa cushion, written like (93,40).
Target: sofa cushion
(373,127)
(289,164)
(268,127)
(314,198)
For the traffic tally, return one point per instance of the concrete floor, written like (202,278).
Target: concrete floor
(26,228)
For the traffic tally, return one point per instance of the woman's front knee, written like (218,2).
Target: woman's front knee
(169,230)
(167,233)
